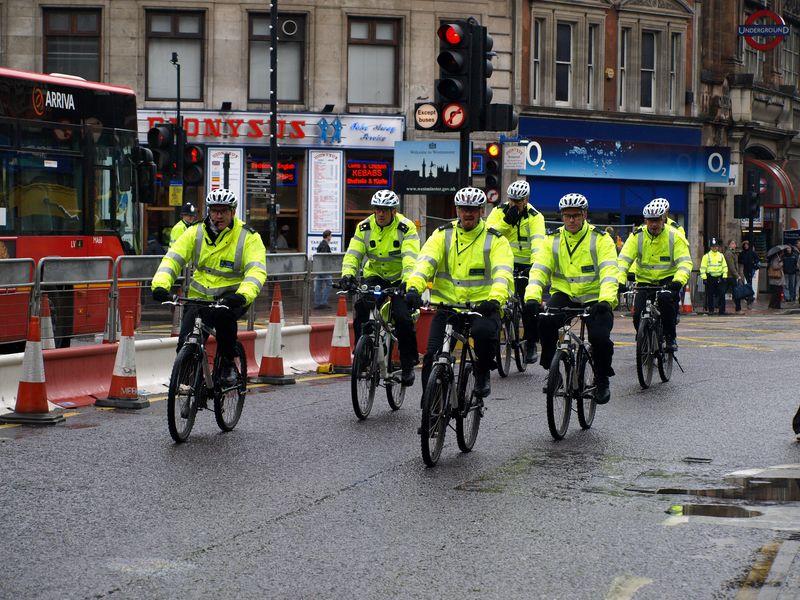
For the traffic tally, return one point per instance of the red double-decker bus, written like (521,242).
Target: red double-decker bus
(72,177)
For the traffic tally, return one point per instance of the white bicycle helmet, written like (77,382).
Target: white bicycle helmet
(655,209)
(470,196)
(221,197)
(385,198)
(664,201)
(573,201)
(519,190)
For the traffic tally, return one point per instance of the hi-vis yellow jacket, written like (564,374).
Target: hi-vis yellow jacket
(524,237)
(713,265)
(177,231)
(390,251)
(659,257)
(465,266)
(582,265)
(235,262)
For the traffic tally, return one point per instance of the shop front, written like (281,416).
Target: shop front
(328,168)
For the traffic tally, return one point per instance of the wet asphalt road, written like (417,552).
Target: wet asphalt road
(303,500)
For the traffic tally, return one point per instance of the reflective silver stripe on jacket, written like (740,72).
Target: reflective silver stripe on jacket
(487,265)
(237,259)
(198,244)
(226,274)
(169,271)
(557,273)
(214,292)
(253,264)
(544,268)
(177,258)
(254,281)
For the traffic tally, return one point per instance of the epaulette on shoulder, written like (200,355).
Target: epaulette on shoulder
(445,226)
(249,228)
(403,226)
(364,225)
(494,231)
(675,225)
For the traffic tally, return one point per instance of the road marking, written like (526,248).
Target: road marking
(758,574)
(625,586)
(704,342)
(8,426)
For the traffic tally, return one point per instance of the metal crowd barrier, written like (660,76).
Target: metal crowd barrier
(17,279)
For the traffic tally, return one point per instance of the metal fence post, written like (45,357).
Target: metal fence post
(307,293)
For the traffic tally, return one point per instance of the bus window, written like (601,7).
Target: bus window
(6,132)
(61,137)
(42,195)
(114,175)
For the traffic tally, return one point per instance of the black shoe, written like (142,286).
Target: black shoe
(228,377)
(531,355)
(671,346)
(483,387)
(602,393)
(407,377)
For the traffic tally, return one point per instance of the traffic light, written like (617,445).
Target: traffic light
(162,142)
(753,191)
(483,91)
(455,68)
(494,158)
(193,165)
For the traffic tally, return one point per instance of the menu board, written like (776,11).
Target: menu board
(325,195)
(368,174)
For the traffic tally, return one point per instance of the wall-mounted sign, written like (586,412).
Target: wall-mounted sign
(293,129)
(478,161)
(426,115)
(368,174)
(513,157)
(287,171)
(325,191)
(426,167)
(215,176)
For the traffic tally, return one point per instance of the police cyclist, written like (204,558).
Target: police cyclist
(579,263)
(188,218)
(467,261)
(229,262)
(523,227)
(713,271)
(387,244)
(663,260)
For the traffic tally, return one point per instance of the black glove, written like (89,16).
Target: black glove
(511,214)
(348,282)
(675,286)
(622,288)
(161,294)
(488,307)
(532,308)
(233,301)
(599,308)
(413,299)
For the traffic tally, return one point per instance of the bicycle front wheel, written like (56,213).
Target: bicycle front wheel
(520,345)
(468,420)
(665,362)
(434,415)
(559,401)
(504,348)
(395,392)
(644,354)
(363,377)
(228,404)
(184,384)
(586,403)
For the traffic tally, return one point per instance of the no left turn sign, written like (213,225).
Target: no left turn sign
(454,115)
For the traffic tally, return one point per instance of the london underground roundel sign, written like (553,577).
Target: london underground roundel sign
(773,31)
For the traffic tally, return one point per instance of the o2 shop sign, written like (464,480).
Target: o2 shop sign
(368,174)
(767,25)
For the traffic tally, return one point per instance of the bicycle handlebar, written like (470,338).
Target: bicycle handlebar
(464,309)
(183,301)
(566,310)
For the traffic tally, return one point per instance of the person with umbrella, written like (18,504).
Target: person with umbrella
(790,273)
(713,271)
(775,276)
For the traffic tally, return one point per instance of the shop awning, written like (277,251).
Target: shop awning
(780,181)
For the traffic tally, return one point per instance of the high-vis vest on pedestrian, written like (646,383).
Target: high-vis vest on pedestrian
(713,265)
(387,252)
(657,257)
(234,262)
(582,265)
(177,231)
(524,237)
(465,266)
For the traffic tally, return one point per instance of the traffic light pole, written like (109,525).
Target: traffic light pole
(179,142)
(464,160)
(273,123)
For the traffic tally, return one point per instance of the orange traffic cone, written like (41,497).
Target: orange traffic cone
(340,357)
(277,296)
(271,370)
(46,324)
(123,391)
(686,307)
(31,407)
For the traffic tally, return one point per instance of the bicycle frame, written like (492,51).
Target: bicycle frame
(199,333)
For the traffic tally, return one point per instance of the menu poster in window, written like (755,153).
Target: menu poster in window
(325,191)
(368,174)
(215,176)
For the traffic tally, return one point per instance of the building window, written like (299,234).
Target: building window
(754,59)
(791,57)
(624,41)
(291,52)
(591,58)
(563,62)
(180,32)
(537,59)
(648,70)
(72,42)
(372,61)
(674,68)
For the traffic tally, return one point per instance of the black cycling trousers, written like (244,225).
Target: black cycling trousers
(598,333)
(221,319)
(484,332)
(529,322)
(667,304)
(403,325)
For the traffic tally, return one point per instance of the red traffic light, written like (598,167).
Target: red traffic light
(193,155)
(161,136)
(451,33)
(493,150)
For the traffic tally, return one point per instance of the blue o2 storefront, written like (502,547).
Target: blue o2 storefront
(619,167)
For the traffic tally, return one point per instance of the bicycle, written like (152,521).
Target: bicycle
(567,377)
(650,342)
(372,358)
(448,395)
(193,382)
(509,341)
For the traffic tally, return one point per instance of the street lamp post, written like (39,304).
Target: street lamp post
(180,140)
(273,122)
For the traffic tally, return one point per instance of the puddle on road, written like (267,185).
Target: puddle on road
(728,511)
(758,489)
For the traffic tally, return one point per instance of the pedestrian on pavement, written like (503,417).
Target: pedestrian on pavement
(796,424)
(281,242)
(790,275)
(188,218)
(734,274)
(748,263)
(714,271)
(775,279)
(323,283)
